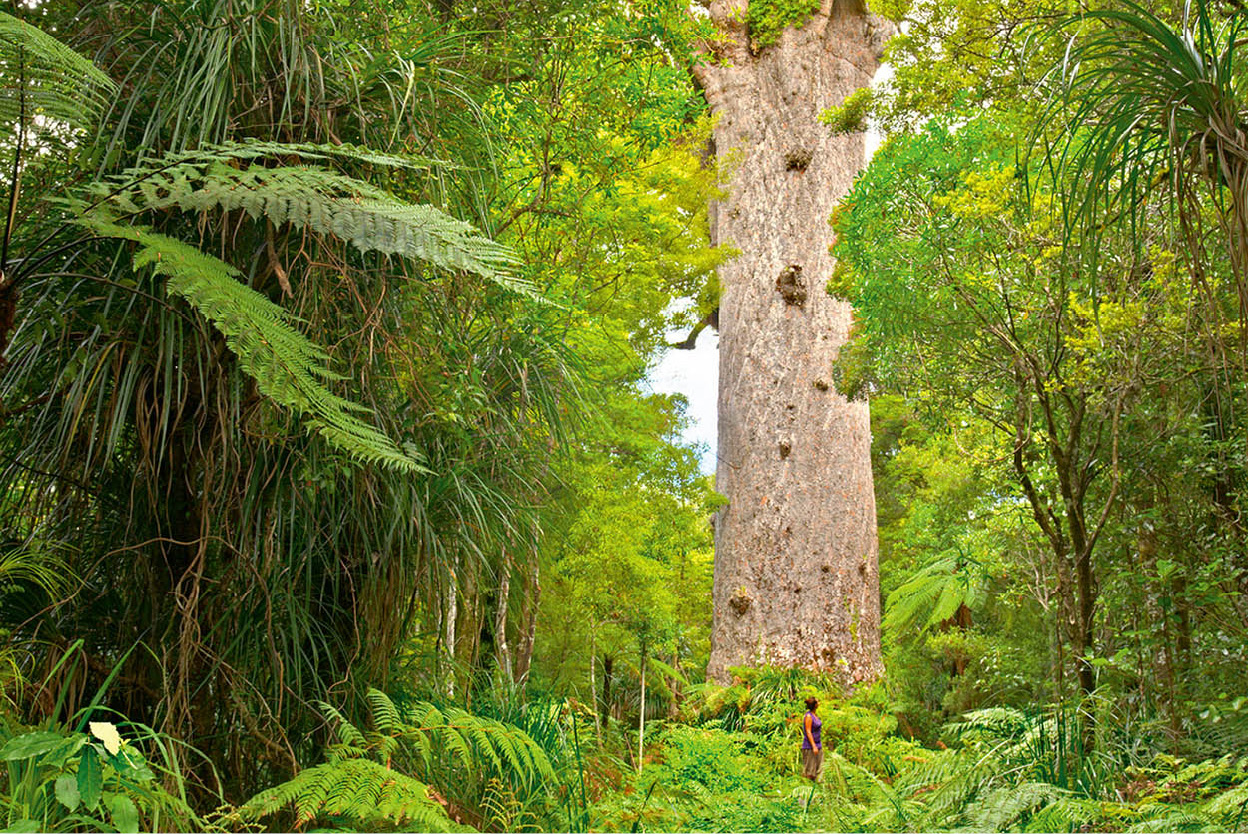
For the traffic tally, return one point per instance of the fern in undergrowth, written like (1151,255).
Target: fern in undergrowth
(384,773)
(1230,808)
(1174,819)
(1065,814)
(474,740)
(1004,807)
(358,790)
(287,367)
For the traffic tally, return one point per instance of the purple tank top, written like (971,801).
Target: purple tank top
(816,726)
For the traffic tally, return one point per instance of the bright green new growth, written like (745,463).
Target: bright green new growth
(52,80)
(768,18)
(851,116)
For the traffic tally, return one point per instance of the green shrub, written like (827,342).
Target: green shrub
(768,18)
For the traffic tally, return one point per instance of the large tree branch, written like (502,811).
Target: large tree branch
(711,319)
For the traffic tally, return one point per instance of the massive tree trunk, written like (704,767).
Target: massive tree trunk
(796,579)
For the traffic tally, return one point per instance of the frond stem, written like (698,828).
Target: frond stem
(5,281)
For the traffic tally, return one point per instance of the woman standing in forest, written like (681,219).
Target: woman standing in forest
(812,749)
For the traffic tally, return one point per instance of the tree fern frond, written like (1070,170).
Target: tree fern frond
(995,722)
(1174,819)
(1003,807)
(40,75)
(318,199)
(348,734)
(261,149)
(1064,814)
(287,367)
(358,789)
(1229,807)
(931,596)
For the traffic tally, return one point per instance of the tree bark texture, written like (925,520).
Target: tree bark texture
(796,579)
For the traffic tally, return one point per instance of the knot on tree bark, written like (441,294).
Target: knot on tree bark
(798,159)
(790,285)
(740,602)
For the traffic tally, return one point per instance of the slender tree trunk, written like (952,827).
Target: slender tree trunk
(796,580)
(607,664)
(502,652)
(593,682)
(451,614)
(641,713)
(528,621)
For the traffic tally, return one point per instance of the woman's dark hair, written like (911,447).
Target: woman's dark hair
(811,703)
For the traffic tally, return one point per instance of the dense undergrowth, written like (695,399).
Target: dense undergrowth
(726,761)
(731,764)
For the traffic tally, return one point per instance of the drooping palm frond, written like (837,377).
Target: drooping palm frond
(287,367)
(318,199)
(40,76)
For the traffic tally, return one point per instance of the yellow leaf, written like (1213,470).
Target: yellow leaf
(107,733)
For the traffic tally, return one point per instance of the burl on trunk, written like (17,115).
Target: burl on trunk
(796,580)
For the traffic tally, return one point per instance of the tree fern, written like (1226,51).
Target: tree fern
(287,367)
(313,198)
(43,76)
(476,739)
(932,595)
(360,790)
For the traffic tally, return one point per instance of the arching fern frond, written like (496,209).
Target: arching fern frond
(1002,808)
(288,368)
(1229,808)
(360,790)
(932,595)
(1065,814)
(349,736)
(1174,819)
(40,75)
(314,198)
(384,713)
(309,151)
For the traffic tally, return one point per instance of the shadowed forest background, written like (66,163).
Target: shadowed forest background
(335,495)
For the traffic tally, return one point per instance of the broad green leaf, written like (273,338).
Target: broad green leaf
(30,745)
(24,827)
(67,792)
(124,813)
(90,778)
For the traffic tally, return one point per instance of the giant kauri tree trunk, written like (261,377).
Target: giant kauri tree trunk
(796,581)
